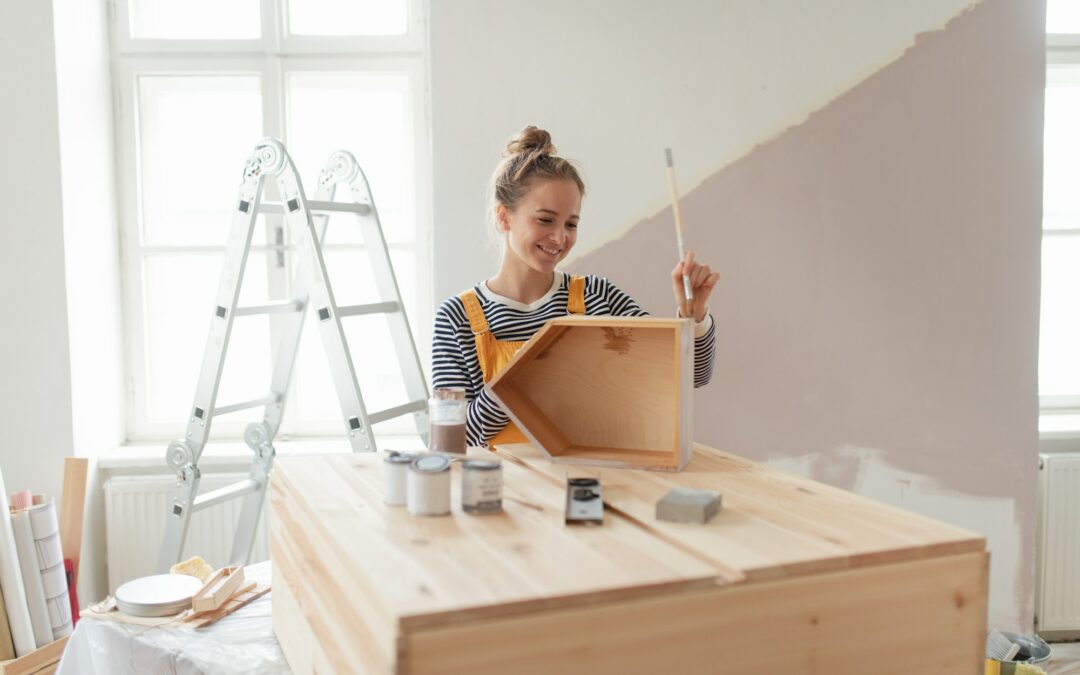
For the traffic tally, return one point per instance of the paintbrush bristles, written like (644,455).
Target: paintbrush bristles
(667,156)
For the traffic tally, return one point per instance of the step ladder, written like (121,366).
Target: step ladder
(307,222)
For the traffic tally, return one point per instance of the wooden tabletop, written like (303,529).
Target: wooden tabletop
(421,572)
(772,524)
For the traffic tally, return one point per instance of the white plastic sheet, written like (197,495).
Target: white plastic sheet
(242,642)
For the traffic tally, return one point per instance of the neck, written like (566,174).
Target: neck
(520,282)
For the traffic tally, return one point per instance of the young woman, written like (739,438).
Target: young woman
(536,199)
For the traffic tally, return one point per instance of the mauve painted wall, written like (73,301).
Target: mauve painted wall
(880,284)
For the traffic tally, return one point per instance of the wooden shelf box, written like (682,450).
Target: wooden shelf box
(606,391)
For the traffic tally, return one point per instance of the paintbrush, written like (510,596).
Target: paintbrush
(678,227)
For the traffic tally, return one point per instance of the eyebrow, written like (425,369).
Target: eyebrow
(555,213)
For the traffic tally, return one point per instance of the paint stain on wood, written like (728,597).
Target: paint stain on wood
(618,340)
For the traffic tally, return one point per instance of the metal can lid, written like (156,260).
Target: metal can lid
(431,464)
(481,465)
(394,457)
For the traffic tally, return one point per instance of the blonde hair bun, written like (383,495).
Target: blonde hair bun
(530,140)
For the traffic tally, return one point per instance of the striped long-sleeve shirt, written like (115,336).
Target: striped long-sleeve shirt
(453,351)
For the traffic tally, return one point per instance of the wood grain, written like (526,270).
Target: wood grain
(773,524)
(849,582)
(926,617)
(616,383)
(72,505)
(40,659)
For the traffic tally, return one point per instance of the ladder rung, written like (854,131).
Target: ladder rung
(397,411)
(273,308)
(373,308)
(226,493)
(265,400)
(318,206)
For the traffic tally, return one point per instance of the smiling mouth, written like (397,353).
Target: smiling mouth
(553,252)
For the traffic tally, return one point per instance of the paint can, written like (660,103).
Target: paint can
(428,486)
(395,469)
(481,486)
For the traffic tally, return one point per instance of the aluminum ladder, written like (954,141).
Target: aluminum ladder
(307,222)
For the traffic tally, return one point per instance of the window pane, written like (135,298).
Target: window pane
(1061,149)
(195,134)
(195,19)
(370,115)
(1063,16)
(179,299)
(1059,330)
(370,344)
(348,17)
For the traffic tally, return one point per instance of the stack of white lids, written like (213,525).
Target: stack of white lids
(157,595)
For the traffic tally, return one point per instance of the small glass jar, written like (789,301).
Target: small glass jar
(446,410)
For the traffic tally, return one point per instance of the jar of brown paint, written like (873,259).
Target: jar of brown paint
(447,409)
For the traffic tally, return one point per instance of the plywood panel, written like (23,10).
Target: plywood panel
(617,383)
(608,386)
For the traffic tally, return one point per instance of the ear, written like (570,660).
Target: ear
(502,218)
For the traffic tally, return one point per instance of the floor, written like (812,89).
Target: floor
(1064,659)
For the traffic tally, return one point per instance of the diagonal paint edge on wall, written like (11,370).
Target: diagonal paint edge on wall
(826,99)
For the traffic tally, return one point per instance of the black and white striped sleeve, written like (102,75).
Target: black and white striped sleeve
(454,363)
(704,350)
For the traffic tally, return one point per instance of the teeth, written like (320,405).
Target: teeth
(550,251)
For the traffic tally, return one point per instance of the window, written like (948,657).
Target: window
(1059,331)
(198,84)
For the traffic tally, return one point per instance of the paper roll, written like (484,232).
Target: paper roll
(22,632)
(35,593)
(50,560)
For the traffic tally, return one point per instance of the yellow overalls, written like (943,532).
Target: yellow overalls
(495,354)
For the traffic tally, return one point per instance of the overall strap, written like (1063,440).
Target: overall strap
(477,320)
(575,302)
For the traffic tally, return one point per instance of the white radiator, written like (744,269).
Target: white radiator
(1057,590)
(135,510)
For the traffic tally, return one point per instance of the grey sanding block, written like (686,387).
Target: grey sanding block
(686,505)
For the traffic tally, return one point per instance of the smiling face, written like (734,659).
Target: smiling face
(542,229)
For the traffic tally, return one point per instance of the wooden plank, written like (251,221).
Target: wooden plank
(531,421)
(217,589)
(72,505)
(36,660)
(772,524)
(326,604)
(926,616)
(245,597)
(294,634)
(329,519)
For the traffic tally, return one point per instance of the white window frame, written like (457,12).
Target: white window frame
(271,57)
(1062,49)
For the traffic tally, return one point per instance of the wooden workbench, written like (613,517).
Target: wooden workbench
(791,577)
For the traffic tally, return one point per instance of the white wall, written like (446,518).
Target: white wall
(35,397)
(92,247)
(617,82)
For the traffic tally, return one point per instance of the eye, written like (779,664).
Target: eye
(572,225)
(546,221)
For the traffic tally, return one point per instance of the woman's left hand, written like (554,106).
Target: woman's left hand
(702,282)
